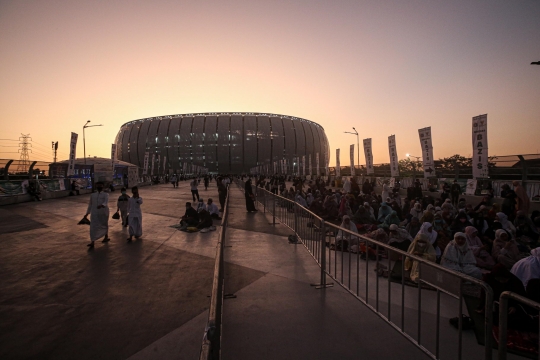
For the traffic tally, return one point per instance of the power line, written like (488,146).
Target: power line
(24,158)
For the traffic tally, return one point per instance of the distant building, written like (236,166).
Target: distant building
(223,142)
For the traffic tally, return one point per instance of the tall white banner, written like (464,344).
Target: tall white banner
(427,152)
(338,164)
(317,162)
(304,165)
(72,154)
(310,166)
(369,156)
(394,165)
(353,171)
(145,165)
(152,164)
(113,155)
(480,147)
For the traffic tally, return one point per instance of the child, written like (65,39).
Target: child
(122,206)
(135,215)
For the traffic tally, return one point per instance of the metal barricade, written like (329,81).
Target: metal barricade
(503,319)
(354,271)
(211,344)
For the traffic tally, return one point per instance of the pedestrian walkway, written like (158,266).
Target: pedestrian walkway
(144,300)
(280,316)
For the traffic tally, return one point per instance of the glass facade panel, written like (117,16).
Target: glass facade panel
(133,139)
(300,139)
(309,144)
(290,143)
(185,140)
(316,147)
(250,140)
(223,144)
(152,144)
(277,138)
(163,140)
(123,146)
(323,155)
(264,141)
(174,138)
(237,163)
(210,143)
(197,140)
(142,145)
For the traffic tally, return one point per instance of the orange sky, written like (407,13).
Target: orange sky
(386,68)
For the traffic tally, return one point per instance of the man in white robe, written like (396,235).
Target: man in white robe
(98,209)
(135,214)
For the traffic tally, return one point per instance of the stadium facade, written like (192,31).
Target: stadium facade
(224,143)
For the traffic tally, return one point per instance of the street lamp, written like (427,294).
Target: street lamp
(357,144)
(84,140)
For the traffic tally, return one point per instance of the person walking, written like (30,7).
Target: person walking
(222,191)
(135,215)
(194,188)
(206,182)
(98,208)
(174,181)
(248,192)
(122,206)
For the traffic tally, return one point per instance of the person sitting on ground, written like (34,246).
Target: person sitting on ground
(330,208)
(427,229)
(212,209)
(420,247)
(300,200)
(413,227)
(505,249)
(416,211)
(190,218)
(506,224)
(392,218)
(74,188)
(399,238)
(525,229)
(528,268)
(200,205)
(458,257)
(349,225)
(483,258)
(460,223)
(362,216)
(205,220)
(384,211)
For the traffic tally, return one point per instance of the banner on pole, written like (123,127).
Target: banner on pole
(353,172)
(369,156)
(480,147)
(427,151)
(394,162)
(317,162)
(471,187)
(145,164)
(72,154)
(338,164)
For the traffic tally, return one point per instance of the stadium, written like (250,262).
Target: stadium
(224,143)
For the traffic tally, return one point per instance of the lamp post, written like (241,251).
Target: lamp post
(84,139)
(357,144)
(414,163)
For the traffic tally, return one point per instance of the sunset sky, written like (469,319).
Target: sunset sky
(385,67)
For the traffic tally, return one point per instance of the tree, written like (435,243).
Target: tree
(407,167)
(450,163)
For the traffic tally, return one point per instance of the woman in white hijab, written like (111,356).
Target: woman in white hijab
(458,257)
(506,225)
(385,190)
(427,229)
(416,211)
(341,235)
(422,248)
(528,268)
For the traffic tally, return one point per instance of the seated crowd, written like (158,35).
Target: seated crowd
(474,239)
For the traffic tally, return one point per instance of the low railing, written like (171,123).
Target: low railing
(211,344)
(503,319)
(358,273)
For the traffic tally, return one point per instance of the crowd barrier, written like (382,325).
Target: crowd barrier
(211,344)
(396,300)
(503,319)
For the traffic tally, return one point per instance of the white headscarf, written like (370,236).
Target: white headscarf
(528,268)
(432,236)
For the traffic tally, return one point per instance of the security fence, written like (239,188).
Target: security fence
(211,344)
(376,274)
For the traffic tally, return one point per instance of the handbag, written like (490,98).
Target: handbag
(116,216)
(84,221)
